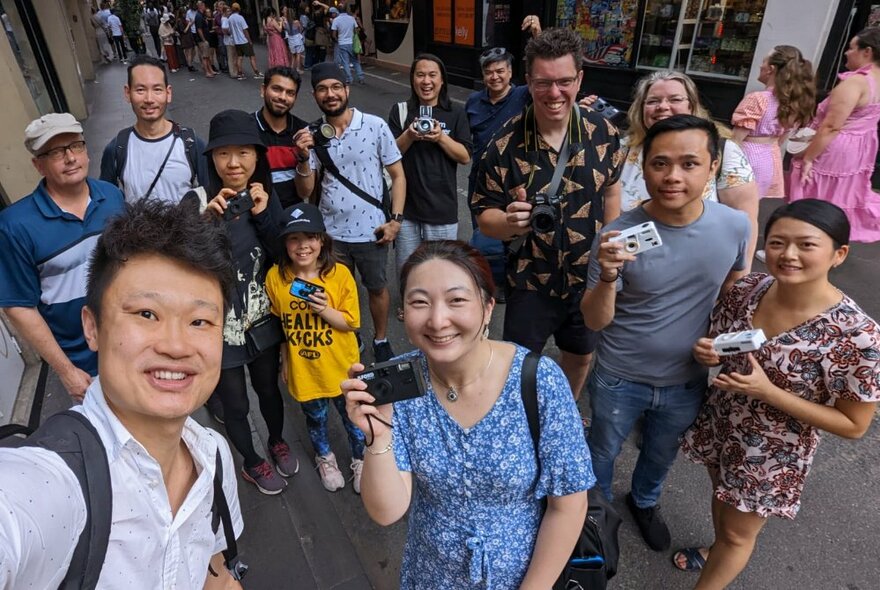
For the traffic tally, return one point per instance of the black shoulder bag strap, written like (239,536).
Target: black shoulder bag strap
(162,166)
(220,509)
(330,166)
(529,392)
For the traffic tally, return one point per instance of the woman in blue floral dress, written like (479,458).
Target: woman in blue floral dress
(477,518)
(819,370)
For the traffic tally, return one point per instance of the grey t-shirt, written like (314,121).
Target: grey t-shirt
(665,296)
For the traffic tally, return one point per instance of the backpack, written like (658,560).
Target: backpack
(75,440)
(187,135)
(595,555)
(311,30)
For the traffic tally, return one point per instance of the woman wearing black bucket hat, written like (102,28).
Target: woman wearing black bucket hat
(239,178)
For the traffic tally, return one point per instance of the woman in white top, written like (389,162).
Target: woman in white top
(660,95)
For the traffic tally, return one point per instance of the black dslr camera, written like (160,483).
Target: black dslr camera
(545,213)
(393,381)
(237,204)
(322,133)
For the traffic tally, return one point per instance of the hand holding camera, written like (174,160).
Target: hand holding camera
(303,141)
(362,409)
(230,204)
(424,126)
(518,213)
(705,354)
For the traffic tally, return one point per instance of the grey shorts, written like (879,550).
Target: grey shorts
(369,258)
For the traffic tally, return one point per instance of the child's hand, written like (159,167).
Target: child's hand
(283,368)
(318,302)
(357,404)
(705,354)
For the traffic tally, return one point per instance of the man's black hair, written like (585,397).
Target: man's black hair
(442,99)
(147,60)
(284,72)
(678,123)
(151,227)
(553,44)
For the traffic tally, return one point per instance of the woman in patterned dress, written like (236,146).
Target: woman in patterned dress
(276,46)
(819,370)
(763,119)
(660,95)
(477,519)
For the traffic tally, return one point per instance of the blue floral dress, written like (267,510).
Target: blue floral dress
(477,504)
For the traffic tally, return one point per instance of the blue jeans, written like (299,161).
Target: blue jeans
(316,411)
(617,404)
(346,57)
(413,233)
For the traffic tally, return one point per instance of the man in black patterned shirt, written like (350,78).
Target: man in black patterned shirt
(547,270)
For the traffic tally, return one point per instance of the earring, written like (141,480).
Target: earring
(485,331)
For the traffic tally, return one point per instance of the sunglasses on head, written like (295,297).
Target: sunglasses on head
(493,54)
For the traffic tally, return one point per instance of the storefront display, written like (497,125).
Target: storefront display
(607,26)
(725,39)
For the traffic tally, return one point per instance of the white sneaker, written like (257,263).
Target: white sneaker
(331,477)
(357,467)
(761,255)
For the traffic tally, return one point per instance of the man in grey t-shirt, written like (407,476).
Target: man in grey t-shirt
(651,307)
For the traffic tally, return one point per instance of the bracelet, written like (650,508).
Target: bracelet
(385,450)
(298,173)
(614,280)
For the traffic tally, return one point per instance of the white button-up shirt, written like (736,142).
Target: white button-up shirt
(42,511)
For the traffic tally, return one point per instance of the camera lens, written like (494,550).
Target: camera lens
(543,219)
(631,246)
(380,389)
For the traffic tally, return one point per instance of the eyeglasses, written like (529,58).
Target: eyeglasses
(338,87)
(673,101)
(493,54)
(562,83)
(77,147)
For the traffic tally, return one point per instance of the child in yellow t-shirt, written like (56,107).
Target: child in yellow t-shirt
(320,329)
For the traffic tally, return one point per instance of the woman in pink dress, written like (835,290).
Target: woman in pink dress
(763,119)
(838,164)
(275,45)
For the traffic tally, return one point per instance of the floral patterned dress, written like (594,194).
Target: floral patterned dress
(764,454)
(477,506)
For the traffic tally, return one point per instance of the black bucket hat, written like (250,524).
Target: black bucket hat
(233,127)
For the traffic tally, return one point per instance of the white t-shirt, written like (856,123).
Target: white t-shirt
(115,25)
(227,38)
(237,25)
(191,17)
(344,25)
(142,163)
(40,523)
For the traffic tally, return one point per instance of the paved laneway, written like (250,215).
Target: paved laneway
(307,538)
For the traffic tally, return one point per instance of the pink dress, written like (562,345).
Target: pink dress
(277,48)
(842,173)
(757,113)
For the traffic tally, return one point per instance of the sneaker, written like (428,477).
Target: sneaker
(331,477)
(653,528)
(265,478)
(761,255)
(382,351)
(357,467)
(285,464)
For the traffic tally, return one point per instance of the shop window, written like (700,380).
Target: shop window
(390,23)
(391,10)
(607,27)
(16,24)
(454,22)
(725,38)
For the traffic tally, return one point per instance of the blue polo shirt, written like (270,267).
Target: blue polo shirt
(45,257)
(486,118)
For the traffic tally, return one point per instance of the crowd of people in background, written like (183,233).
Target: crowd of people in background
(274,204)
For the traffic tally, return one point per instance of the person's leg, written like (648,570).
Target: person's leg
(616,404)
(576,368)
(343,60)
(315,412)
(408,239)
(263,371)
(380,302)
(371,260)
(734,542)
(356,62)
(355,436)
(232,391)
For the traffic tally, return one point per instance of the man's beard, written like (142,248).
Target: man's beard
(274,110)
(337,111)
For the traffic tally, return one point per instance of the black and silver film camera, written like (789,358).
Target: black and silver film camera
(607,110)
(424,123)
(545,213)
(393,381)
(322,133)
(238,204)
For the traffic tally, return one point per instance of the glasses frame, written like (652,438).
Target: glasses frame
(544,85)
(58,153)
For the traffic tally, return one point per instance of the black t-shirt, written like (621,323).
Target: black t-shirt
(202,25)
(431,183)
(282,156)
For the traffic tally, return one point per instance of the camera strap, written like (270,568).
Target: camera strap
(162,166)
(330,166)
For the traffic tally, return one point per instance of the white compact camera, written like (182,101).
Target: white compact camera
(738,342)
(639,238)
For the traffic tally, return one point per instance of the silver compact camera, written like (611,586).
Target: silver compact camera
(739,342)
(639,238)
(424,123)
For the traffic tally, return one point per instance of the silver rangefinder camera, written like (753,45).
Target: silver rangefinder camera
(739,342)
(639,238)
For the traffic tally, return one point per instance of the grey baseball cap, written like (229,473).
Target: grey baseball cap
(40,131)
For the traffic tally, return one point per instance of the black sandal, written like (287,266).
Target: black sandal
(694,560)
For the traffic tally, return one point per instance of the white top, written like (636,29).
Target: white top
(365,147)
(42,511)
(115,25)
(227,32)
(191,17)
(143,161)
(344,25)
(237,25)
(735,171)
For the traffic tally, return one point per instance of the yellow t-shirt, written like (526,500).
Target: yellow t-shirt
(319,354)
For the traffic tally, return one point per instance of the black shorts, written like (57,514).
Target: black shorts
(369,258)
(530,318)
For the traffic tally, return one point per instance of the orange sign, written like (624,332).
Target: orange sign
(464,22)
(443,21)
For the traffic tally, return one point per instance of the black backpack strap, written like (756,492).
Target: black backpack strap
(721,144)
(190,145)
(529,392)
(330,166)
(220,514)
(121,153)
(70,435)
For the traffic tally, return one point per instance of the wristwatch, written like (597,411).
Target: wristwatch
(398,217)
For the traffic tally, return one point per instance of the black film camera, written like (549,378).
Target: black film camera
(322,133)
(393,381)
(238,204)
(545,213)
(608,110)
(424,123)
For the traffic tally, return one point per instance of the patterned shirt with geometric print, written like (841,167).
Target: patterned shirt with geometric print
(552,263)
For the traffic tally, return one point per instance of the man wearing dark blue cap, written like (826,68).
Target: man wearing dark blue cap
(350,155)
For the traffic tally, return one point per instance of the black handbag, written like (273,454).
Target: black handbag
(263,334)
(595,555)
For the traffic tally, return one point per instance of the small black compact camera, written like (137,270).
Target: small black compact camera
(424,123)
(393,381)
(545,213)
(322,133)
(238,204)
(608,110)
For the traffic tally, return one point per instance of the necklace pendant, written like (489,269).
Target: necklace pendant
(451,394)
